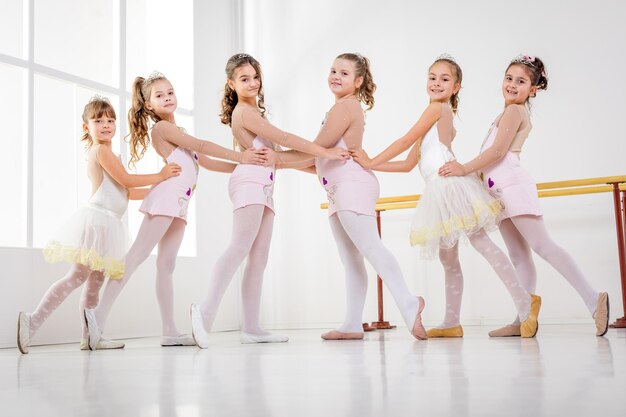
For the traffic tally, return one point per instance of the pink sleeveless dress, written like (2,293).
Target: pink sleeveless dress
(252,184)
(348,185)
(507,181)
(171,197)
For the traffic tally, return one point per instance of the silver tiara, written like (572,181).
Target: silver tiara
(98,98)
(445,56)
(241,56)
(524,59)
(155,75)
(359,57)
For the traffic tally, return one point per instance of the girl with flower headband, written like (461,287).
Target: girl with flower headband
(352,193)
(94,239)
(251,189)
(499,166)
(165,206)
(451,208)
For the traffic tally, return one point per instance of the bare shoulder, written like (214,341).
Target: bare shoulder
(162,125)
(436,108)
(347,108)
(516,109)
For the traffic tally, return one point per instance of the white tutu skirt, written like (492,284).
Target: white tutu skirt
(94,237)
(449,209)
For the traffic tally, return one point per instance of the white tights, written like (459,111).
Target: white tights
(168,233)
(499,263)
(357,238)
(523,233)
(58,292)
(251,237)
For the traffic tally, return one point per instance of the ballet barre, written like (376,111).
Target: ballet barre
(615,185)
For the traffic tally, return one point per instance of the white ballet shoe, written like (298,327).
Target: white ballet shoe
(197,327)
(95,334)
(23,332)
(102,344)
(264,338)
(180,340)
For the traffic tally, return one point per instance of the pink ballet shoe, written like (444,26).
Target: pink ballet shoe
(601,315)
(337,335)
(418,331)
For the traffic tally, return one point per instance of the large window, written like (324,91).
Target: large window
(52,62)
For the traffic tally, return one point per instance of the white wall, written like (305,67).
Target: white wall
(574,136)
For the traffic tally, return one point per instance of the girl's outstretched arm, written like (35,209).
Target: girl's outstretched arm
(254,122)
(112,165)
(507,129)
(337,122)
(405,165)
(214,165)
(137,193)
(169,132)
(419,129)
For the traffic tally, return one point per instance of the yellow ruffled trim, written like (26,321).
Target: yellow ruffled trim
(457,223)
(56,252)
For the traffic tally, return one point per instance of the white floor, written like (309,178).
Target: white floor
(565,371)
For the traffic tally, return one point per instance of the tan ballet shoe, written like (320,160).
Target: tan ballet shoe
(510,330)
(602,314)
(456,331)
(337,335)
(418,331)
(529,327)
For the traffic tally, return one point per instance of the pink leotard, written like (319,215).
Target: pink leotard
(252,184)
(507,180)
(348,185)
(171,197)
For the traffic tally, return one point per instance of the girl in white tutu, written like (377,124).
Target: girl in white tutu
(449,210)
(94,240)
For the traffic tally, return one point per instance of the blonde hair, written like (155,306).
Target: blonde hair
(138,117)
(365,93)
(95,109)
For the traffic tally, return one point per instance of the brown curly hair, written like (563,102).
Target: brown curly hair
(95,109)
(458,73)
(138,116)
(230,99)
(365,93)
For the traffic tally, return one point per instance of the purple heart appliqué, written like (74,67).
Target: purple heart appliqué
(271,176)
(188,192)
(490,182)
(324,181)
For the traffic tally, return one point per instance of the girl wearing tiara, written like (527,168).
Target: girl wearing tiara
(451,208)
(352,193)
(94,239)
(165,206)
(499,166)
(251,189)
